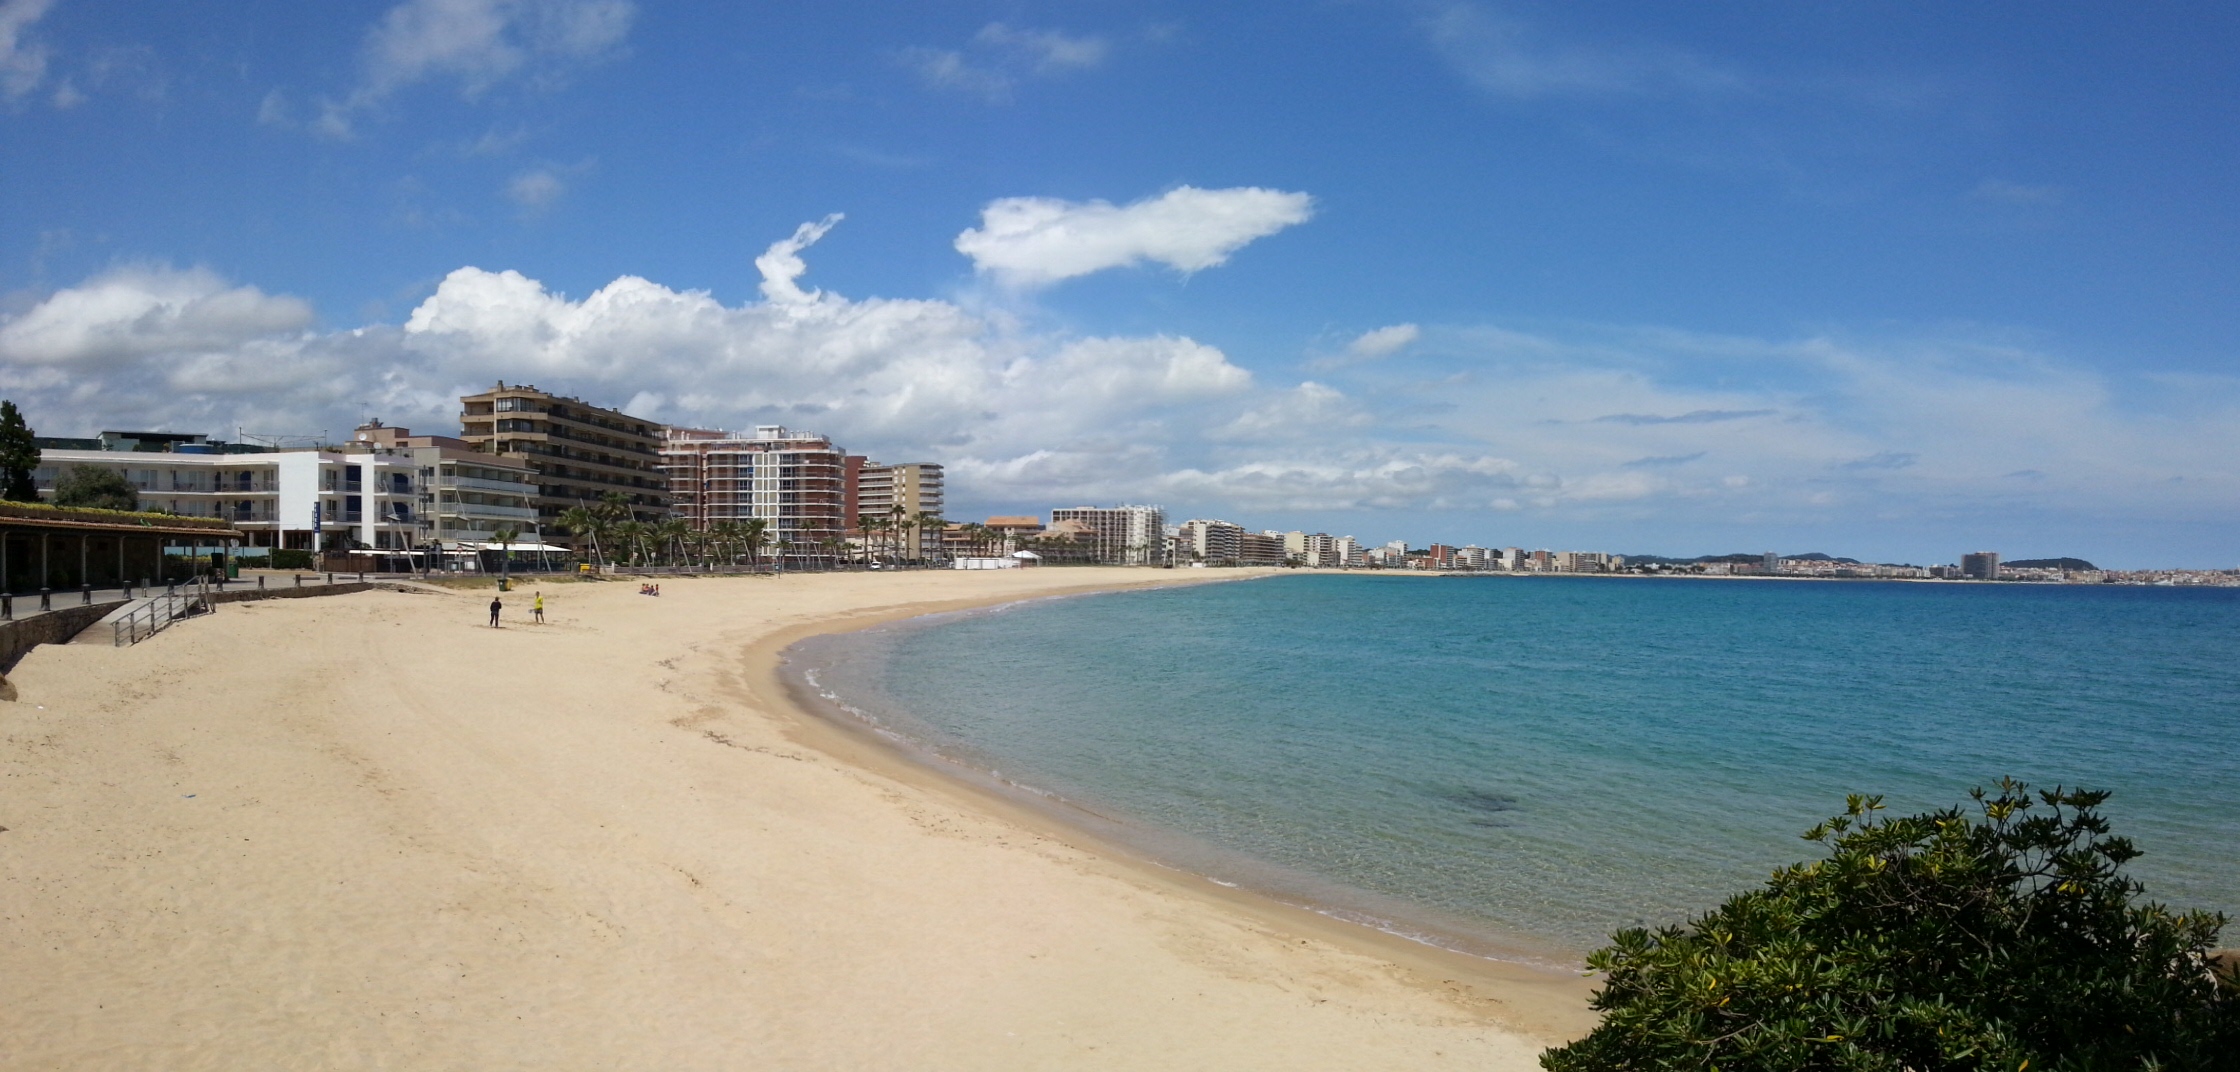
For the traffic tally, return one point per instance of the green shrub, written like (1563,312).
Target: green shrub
(2004,940)
(97,487)
(285,558)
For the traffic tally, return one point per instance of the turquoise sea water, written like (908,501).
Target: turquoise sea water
(1528,763)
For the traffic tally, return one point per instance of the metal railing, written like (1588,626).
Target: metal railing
(160,610)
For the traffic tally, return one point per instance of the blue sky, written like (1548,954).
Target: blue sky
(1886,280)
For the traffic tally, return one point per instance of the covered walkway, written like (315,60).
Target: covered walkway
(59,550)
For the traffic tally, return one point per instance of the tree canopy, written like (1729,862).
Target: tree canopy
(2003,937)
(95,486)
(19,455)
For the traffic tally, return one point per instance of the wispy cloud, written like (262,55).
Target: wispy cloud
(1384,342)
(537,189)
(1698,416)
(1888,459)
(1511,58)
(1047,51)
(947,68)
(1000,56)
(478,44)
(23,62)
(1373,345)
(1665,461)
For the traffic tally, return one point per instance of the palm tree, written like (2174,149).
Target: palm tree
(587,523)
(898,522)
(629,536)
(725,537)
(977,537)
(754,532)
(926,521)
(673,535)
(504,537)
(615,508)
(871,525)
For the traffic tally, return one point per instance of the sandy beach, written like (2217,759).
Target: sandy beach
(369,831)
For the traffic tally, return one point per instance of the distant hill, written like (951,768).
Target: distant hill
(2073,565)
(1814,556)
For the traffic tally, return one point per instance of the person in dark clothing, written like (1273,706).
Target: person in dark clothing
(495,607)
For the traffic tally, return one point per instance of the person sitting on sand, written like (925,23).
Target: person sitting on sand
(495,606)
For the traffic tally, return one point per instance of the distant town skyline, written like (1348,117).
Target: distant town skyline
(1894,286)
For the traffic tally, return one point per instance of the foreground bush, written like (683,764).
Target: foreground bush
(2003,940)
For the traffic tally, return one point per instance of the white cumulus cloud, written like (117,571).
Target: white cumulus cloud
(1036,241)
(134,312)
(1644,431)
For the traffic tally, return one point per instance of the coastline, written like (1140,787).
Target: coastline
(370,830)
(1537,995)
(1201,866)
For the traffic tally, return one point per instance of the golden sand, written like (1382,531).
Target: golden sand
(368,831)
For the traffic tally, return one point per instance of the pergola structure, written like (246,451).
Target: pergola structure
(61,549)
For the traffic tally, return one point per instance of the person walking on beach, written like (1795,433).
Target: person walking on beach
(538,610)
(495,607)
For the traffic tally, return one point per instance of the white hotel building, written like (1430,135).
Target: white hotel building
(385,490)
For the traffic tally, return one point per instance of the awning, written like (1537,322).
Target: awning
(518,548)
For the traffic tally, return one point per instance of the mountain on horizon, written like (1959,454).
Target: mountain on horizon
(2073,565)
(1741,557)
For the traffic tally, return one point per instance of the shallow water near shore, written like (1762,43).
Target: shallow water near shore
(1525,764)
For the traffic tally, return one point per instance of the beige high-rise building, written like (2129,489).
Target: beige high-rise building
(914,487)
(580,452)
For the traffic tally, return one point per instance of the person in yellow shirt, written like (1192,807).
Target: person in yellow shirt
(538,609)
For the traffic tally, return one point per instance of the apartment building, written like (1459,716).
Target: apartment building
(1215,543)
(1260,549)
(579,452)
(796,483)
(1316,549)
(1119,535)
(1015,529)
(1349,553)
(1980,565)
(466,496)
(1587,562)
(360,496)
(904,489)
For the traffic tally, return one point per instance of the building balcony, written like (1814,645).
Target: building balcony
(487,511)
(475,483)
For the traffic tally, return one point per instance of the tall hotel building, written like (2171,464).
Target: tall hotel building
(915,487)
(579,452)
(1120,535)
(799,485)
